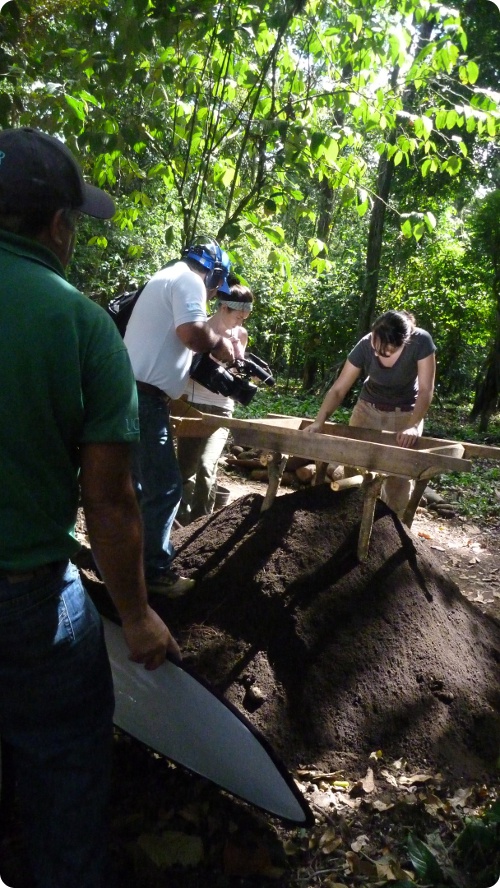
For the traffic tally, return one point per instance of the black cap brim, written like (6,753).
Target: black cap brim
(97,203)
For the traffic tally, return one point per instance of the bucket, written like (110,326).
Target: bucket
(222,495)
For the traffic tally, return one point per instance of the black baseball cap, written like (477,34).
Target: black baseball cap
(37,170)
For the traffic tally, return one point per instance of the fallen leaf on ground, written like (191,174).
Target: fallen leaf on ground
(414,778)
(329,841)
(390,870)
(360,843)
(359,867)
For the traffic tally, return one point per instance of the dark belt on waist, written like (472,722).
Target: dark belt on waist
(387,408)
(22,576)
(149,389)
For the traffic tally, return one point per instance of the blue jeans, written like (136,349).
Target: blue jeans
(157,481)
(56,711)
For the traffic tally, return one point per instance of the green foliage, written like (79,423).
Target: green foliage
(267,124)
(424,862)
(276,400)
(444,282)
(473,855)
(477,492)
(242,106)
(450,419)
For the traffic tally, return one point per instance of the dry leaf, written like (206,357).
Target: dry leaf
(368,783)
(380,805)
(329,841)
(360,843)
(432,804)
(414,778)
(290,848)
(461,798)
(390,870)
(389,777)
(359,867)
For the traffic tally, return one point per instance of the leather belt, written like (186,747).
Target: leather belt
(22,576)
(149,389)
(387,408)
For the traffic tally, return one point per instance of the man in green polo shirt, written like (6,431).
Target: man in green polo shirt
(68,415)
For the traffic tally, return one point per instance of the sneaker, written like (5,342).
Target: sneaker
(170,584)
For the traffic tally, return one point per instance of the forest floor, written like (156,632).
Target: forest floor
(393,763)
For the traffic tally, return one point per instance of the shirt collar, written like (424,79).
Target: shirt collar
(30,249)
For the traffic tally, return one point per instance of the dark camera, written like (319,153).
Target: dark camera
(233,382)
(254,366)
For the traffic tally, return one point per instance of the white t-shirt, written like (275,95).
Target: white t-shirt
(198,394)
(174,296)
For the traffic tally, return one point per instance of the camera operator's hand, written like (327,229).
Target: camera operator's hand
(224,350)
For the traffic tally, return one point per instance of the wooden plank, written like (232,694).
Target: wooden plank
(400,461)
(182,408)
(455,449)
(275,469)
(281,422)
(188,422)
(413,502)
(372,487)
(471,451)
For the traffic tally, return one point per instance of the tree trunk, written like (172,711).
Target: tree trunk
(486,401)
(374,245)
(377,219)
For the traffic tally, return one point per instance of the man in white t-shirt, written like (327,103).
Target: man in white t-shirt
(168,324)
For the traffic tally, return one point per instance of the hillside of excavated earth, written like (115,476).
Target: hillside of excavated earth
(332,659)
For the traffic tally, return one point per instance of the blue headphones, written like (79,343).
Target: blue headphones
(206,252)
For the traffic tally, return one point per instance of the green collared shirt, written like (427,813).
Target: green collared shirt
(65,380)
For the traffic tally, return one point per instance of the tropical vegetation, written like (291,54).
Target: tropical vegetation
(344,153)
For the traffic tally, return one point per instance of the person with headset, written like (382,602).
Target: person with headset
(199,457)
(168,324)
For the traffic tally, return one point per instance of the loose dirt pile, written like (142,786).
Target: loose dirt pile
(332,659)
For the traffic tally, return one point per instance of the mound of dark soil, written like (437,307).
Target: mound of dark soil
(332,659)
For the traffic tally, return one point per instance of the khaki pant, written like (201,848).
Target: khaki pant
(198,460)
(395,492)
